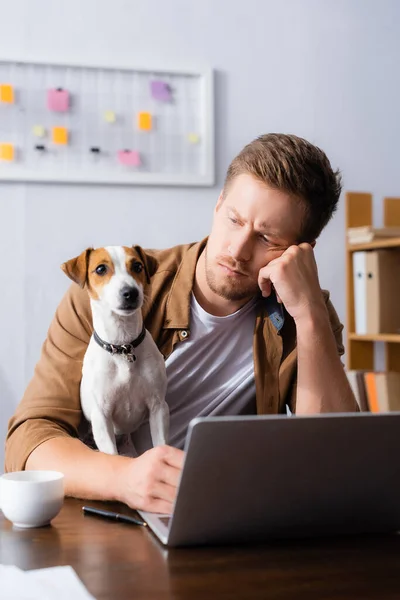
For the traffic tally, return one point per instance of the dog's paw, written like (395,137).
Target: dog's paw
(126,447)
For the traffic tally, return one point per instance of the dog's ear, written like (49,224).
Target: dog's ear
(77,267)
(150,263)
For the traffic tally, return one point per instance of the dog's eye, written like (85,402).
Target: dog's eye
(101,270)
(137,267)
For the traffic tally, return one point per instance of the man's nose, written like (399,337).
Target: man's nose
(240,247)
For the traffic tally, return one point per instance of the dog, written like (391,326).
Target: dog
(123,375)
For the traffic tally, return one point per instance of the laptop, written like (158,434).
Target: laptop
(259,478)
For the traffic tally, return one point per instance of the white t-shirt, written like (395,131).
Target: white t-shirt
(210,373)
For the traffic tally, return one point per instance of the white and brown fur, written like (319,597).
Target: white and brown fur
(117,395)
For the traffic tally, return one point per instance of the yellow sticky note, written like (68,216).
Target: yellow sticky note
(38,131)
(109,116)
(60,136)
(144,121)
(6,93)
(7,152)
(193,138)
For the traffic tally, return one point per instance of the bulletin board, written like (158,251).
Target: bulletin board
(97,124)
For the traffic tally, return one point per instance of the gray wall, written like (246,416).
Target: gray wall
(326,70)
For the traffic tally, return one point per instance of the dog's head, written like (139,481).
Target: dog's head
(114,275)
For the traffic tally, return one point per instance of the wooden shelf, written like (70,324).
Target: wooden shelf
(378,243)
(377,337)
(361,348)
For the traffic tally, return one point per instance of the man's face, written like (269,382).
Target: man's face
(252,225)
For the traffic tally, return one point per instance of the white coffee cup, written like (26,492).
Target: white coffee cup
(31,498)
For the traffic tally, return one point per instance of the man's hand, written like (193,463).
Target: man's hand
(150,481)
(294,276)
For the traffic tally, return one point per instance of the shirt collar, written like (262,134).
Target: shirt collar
(177,314)
(275,311)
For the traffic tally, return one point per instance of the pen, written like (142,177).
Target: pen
(90,510)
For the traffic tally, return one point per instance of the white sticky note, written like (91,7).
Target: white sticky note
(193,138)
(38,131)
(110,116)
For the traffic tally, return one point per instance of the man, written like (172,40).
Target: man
(229,348)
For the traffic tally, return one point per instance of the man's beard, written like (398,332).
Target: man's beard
(230,288)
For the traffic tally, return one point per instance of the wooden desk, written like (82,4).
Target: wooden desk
(123,561)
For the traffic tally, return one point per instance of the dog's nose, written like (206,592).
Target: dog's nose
(130,294)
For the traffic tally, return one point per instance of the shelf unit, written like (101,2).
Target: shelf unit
(360,348)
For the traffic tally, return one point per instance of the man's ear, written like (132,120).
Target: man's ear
(219,201)
(77,268)
(150,263)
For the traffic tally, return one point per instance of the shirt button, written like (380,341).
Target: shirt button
(184,334)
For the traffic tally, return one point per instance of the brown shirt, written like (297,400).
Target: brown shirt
(51,405)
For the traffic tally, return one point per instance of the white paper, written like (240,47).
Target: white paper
(61,583)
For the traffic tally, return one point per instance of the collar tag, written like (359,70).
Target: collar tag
(127,352)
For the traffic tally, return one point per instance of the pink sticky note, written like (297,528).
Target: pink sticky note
(58,100)
(130,158)
(160,90)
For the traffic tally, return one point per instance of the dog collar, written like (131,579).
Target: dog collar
(125,350)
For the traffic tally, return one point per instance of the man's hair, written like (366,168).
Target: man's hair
(291,164)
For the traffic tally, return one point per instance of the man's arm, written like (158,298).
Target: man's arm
(50,407)
(148,482)
(322,385)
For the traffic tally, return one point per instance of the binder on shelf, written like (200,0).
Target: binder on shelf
(360,292)
(357,384)
(388,391)
(383,391)
(382,291)
(372,393)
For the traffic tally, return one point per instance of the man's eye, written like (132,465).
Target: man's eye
(264,239)
(137,267)
(232,220)
(101,270)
